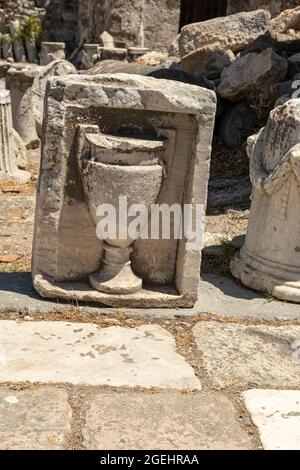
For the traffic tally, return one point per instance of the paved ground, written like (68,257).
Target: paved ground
(224,375)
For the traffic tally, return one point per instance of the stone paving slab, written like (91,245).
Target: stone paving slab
(167,420)
(226,297)
(217,294)
(254,355)
(83,353)
(38,419)
(276,413)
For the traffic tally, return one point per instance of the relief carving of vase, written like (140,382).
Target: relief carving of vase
(113,167)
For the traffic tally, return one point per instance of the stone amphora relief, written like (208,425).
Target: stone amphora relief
(112,137)
(112,166)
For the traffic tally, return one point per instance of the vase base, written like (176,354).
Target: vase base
(116,275)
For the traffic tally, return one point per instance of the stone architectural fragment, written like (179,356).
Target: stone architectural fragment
(8,144)
(89,55)
(252,70)
(270,259)
(208,60)
(19,80)
(56,68)
(234,32)
(51,51)
(109,136)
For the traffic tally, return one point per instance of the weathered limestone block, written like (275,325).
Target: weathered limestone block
(270,259)
(251,70)
(208,60)
(108,136)
(8,142)
(233,32)
(51,51)
(106,39)
(56,68)
(19,80)
(288,22)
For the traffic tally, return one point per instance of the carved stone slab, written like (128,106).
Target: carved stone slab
(66,249)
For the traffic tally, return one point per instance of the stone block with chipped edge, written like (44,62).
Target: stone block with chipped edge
(86,354)
(62,212)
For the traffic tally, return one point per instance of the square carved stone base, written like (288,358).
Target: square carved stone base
(82,292)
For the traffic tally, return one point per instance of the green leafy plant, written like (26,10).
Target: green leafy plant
(31,29)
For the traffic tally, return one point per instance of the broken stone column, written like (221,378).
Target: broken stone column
(51,51)
(19,81)
(270,259)
(113,136)
(8,145)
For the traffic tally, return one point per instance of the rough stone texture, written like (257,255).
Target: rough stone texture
(170,421)
(270,259)
(9,143)
(165,109)
(288,22)
(19,80)
(34,419)
(208,60)
(249,71)
(276,413)
(52,51)
(156,14)
(55,68)
(241,355)
(274,6)
(88,355)
(234,32)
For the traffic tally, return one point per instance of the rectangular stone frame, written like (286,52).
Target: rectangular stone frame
(117,91)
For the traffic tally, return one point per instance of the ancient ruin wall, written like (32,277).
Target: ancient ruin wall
(70,20)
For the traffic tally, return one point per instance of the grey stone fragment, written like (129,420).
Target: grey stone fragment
(234,32)
(243,355)
(34,419)
(170,421)
(251,71)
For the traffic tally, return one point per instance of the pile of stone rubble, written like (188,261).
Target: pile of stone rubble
(252,61)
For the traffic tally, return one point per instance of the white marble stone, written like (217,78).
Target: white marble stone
(85,354)
(276,413)
(270,258)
